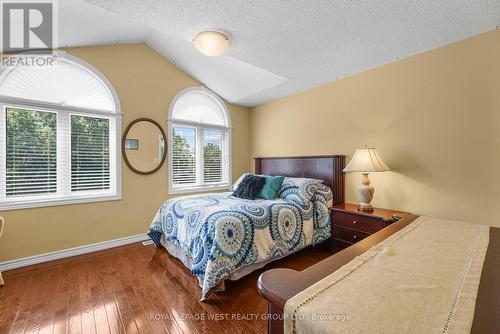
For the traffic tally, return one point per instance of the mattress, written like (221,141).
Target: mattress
(218,236)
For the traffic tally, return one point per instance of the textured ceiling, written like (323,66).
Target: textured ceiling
(82,24)
(279,46)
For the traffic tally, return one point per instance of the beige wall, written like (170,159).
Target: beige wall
(434,118)
(146,84)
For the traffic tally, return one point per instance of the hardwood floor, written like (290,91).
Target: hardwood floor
(132,289)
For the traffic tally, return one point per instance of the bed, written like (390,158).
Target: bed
(219,237)
(291,295)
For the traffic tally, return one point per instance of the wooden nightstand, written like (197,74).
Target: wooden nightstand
(350,225)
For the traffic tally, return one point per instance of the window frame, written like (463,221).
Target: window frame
(60,198)
(171,123)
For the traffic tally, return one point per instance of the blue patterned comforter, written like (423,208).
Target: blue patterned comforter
(220,233)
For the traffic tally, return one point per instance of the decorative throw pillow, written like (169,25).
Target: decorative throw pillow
(272,186)
(250,187)
(235,185)
(299,190)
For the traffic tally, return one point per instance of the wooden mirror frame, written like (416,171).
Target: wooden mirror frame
(124,153)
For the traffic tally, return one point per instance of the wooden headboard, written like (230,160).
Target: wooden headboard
(327,168)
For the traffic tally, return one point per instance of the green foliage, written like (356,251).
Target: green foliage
(184,167)
(31,166)
(89,153)
(31,152)
(213,163)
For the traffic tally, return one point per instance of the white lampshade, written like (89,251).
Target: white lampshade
(366,160)
(211,43)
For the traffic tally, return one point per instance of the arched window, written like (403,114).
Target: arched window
(199,142)
(59,135)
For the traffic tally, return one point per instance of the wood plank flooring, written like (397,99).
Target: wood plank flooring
(132,289)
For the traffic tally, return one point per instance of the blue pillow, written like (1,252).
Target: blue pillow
(271,187)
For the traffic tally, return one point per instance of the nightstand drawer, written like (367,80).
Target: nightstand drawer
(365,224)
(347,234)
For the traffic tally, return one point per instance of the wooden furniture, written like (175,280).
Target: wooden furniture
(2,223)
(327,168)
(350,225)
(279,285)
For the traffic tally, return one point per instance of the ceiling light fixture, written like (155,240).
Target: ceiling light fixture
(212,43)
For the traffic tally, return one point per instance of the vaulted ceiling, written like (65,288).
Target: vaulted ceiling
(279,47)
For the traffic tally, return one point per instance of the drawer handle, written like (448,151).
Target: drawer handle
(354,222)
(354,236)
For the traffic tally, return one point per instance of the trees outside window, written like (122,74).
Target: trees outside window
(199,134)
(59,131)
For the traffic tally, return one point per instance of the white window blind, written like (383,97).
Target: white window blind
(184,156)
(90,161)
(31,152)
(66,83)
(199,107)
(212,150)
(59,136)
(200,139)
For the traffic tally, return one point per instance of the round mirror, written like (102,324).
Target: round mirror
(144,146)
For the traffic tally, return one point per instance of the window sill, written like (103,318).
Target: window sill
(56,202)
(199,189)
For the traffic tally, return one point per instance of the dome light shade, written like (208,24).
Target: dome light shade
(211,43)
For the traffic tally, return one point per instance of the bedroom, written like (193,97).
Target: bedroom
(417,81)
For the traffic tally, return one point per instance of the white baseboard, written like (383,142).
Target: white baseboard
(31,260)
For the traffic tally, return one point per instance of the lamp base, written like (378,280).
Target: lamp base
(365,194)
(365,208)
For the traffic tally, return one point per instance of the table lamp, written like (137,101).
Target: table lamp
(366,160)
